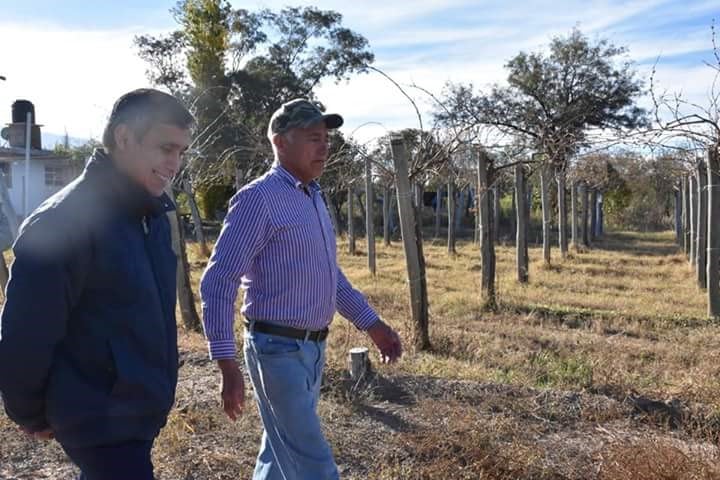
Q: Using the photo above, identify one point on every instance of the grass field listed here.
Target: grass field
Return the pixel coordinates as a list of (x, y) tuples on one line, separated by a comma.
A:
[(603, 366)]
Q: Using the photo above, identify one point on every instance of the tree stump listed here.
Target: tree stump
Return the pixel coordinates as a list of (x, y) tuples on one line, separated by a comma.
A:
[(359, 362)]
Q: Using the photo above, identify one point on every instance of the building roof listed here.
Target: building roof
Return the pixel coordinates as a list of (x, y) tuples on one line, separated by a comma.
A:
[(12, 154)]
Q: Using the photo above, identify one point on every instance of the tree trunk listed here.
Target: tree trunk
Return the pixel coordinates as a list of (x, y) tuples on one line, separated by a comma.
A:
[(702, 226), (197, 220), (451, 218), (521, 226), (487, 246), (574, 215), (351, 221), (545, 201), (562, 214), (686, 215), (713, 239), (369, 216), (386, 215), (438, 209), (412, 243), (185, 296)]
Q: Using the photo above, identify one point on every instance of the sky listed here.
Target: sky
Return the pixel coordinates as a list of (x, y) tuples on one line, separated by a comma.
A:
[(73, 58)]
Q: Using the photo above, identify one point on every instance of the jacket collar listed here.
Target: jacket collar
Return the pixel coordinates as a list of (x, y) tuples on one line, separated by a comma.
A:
[(122, 190)]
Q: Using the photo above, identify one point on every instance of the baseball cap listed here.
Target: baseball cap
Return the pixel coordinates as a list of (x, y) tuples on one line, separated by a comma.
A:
[(301, 113)]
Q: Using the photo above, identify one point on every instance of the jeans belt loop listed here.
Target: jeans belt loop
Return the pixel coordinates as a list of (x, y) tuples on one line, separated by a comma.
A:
[(251, 327), (307, 336)]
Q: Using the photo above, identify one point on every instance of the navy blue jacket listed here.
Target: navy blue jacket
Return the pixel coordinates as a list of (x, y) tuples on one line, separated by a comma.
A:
[(88, 340)]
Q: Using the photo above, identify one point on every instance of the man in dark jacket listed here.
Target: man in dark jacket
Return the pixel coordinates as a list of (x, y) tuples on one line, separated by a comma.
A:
[(88, 343)]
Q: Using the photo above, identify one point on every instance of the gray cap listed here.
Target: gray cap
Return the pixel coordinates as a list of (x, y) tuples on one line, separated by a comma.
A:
[(301, 113)]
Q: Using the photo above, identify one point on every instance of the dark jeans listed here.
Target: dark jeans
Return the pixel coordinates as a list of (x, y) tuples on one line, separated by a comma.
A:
[(124, 461)]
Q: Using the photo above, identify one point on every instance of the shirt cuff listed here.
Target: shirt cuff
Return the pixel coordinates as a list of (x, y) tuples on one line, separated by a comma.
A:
[(221, 349), (366, 319)]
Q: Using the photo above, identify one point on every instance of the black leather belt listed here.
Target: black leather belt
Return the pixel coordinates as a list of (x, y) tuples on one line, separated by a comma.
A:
[(283, 331)]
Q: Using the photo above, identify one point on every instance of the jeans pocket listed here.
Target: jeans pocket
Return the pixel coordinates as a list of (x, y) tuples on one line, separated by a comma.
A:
[(276, 346)]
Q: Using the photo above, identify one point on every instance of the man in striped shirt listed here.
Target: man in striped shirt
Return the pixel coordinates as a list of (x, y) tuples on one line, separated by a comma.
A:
[(278, 244)]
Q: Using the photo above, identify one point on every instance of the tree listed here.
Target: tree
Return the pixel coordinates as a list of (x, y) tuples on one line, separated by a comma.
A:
[(235, 67), (554, 102)]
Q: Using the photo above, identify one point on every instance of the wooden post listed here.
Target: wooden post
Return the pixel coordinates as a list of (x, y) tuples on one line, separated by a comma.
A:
[(419, 200), (585, 194), (358, 362), (686, 215), (387, 193), (713, 239), (186, 299), (350, 221), (521, 228), (451, 217), (702, 226), (546, 218), (197, 220), (487, 247), (413, 246), (593, 214), (562, 213), (678, 214), (496, 212), (693, 218), (369, 216), (438, 209), (333, 213), (574, 215)]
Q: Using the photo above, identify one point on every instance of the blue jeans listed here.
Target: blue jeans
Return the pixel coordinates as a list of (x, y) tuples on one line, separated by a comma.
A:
[(286, 376), (129, 460)]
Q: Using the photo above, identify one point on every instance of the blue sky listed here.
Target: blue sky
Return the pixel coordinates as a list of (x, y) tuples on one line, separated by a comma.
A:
[(72, 58)]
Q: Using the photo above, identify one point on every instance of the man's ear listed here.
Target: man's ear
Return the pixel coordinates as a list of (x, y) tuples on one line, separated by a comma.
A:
[(279, 142), (122, 135)]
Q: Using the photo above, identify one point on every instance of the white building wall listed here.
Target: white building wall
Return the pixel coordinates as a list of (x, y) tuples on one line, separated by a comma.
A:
[(38, 190)]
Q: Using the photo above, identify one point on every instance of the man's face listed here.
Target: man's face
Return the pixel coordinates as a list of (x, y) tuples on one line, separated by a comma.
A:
[(152, 161), (304, 151)]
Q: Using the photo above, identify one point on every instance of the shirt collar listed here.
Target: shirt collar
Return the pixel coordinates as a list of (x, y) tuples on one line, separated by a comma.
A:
[(285, 174)]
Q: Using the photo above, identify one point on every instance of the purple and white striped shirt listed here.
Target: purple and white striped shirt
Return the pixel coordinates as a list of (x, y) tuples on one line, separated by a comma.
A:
[(277, 243)]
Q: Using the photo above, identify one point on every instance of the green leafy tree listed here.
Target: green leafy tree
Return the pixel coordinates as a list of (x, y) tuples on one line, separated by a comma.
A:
[(553, 101), (235, 67)]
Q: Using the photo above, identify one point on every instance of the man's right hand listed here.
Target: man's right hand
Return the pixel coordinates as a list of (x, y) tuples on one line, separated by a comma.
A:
[(233, 388)]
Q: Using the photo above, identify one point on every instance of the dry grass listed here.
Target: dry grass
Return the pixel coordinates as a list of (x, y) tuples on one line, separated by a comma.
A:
[(602, 367)]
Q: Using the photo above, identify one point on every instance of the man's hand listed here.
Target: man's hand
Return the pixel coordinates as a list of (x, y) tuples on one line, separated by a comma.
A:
[(46, 434), (387, 340), (233, 388)]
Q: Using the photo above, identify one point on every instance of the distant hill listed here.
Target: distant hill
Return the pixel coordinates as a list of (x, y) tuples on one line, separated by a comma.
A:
[(49, 140)]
